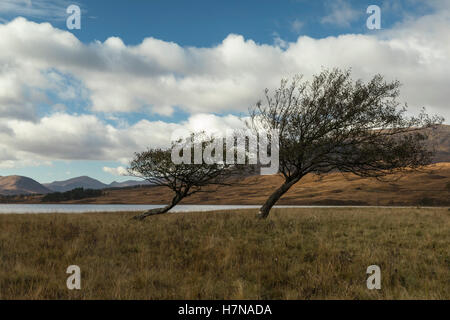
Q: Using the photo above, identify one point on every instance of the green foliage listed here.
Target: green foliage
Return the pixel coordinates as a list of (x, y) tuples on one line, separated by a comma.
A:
[(75, 194), (333, 123)]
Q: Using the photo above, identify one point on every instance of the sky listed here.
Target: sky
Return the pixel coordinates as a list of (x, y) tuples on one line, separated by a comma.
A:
[(81, 101)]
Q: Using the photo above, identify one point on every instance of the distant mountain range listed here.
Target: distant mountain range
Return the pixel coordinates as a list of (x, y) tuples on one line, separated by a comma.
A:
[(89, 183), (14, 185), (78, 182)]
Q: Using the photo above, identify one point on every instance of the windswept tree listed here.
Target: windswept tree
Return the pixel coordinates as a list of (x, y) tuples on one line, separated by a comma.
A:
[(198, 170), (333, 124)]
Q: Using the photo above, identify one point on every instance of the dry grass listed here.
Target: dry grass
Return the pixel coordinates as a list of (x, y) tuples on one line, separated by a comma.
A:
[(295, 254)]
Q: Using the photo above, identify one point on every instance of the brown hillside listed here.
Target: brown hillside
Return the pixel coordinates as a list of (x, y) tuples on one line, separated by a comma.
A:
[(12, 185), (428, 188), (440, 142)]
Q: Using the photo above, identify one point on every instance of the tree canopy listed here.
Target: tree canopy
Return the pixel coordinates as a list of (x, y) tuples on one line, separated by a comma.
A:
[(186, 178), (333, 123)]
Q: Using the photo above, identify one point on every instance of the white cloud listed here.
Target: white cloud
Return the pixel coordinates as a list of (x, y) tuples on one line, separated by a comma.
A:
[(84, 137), (119, 171), (341, 13), (157, 76), (160, 76)]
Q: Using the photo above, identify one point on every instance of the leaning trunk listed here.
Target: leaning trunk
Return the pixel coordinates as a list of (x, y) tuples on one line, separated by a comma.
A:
[(156, 211), (274, 197)]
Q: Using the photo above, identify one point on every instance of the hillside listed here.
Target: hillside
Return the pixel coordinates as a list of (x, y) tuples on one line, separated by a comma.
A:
[(439, 140), (78, 182), (428, 188), (88, 183), (13, 185), (431, 187), (128, 183), (18, 185)]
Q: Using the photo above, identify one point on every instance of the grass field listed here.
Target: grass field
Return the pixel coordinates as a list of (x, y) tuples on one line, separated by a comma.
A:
[(295, 254)]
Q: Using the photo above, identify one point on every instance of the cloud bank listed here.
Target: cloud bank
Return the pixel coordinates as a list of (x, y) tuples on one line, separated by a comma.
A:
[(46, 65)]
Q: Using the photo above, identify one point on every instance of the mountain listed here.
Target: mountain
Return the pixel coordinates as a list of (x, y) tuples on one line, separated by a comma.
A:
[(89, 183), (439, 139), (78, 182), (429, 187), (14, 185), (128, 183)]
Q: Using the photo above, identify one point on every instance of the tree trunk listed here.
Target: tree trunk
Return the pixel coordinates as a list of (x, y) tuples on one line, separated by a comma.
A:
[(274, 197), (156, 211)]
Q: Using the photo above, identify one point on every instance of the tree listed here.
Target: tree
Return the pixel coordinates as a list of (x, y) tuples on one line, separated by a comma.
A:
[(186, 178), (74, 194), (333, 124)]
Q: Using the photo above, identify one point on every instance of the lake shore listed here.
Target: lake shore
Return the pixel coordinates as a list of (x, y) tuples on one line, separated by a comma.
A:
[(105, 208)]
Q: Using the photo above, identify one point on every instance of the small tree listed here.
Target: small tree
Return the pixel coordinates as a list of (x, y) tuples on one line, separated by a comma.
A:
[(335, 124), (184, 179)]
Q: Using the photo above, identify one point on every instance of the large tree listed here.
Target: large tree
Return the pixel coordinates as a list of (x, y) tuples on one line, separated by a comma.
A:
[(333, 123), (158, 167)]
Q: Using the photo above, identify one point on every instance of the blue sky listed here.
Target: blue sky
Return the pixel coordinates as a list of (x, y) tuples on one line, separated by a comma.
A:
[(205, 23), (83, 111)]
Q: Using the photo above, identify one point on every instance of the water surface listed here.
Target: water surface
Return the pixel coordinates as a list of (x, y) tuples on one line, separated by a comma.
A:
[(85, 208)]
